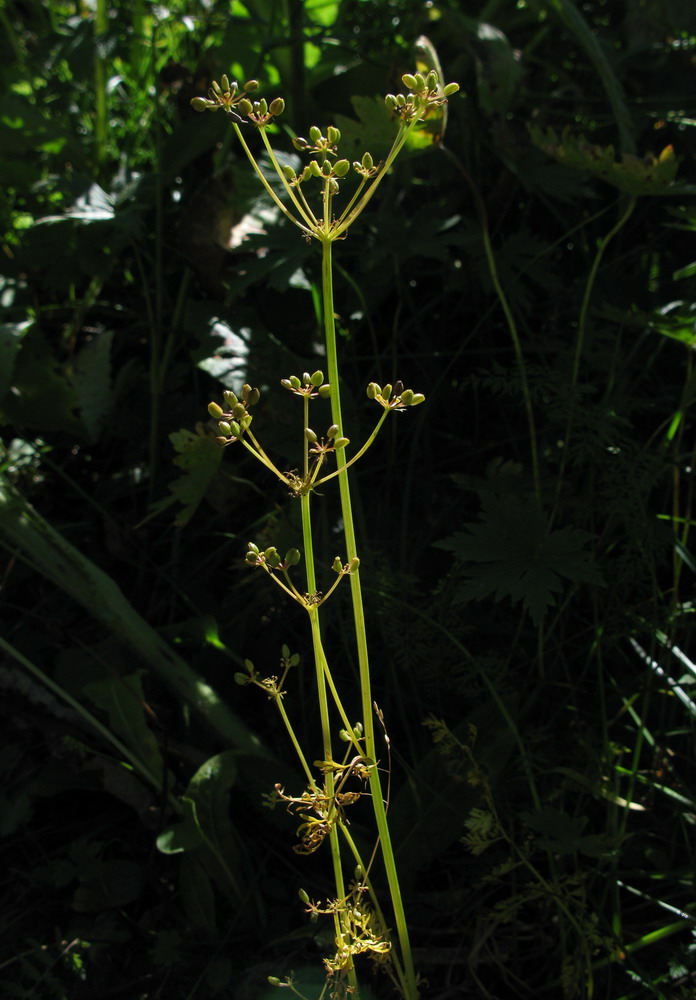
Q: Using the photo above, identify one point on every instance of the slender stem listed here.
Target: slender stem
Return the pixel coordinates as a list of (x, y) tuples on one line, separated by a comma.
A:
[(602, 245), (259, 173), (358, 454), (295, 742), (410, 987), (303, 209)]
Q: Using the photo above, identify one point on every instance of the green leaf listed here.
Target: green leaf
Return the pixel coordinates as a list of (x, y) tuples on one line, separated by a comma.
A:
[(562, 834), (115, 884), (510, 553), (122, 698), (23, 531), (569, 14), (197, 894), (44, 397), (207, 803), (11, 336), (91, 378), (498, 69)]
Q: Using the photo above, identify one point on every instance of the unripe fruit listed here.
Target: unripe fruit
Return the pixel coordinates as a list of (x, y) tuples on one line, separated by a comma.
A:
[(277, 106), (215, 411)]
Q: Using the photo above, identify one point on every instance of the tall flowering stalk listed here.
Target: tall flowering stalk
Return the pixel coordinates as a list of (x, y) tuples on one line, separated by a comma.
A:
[(338, 780)]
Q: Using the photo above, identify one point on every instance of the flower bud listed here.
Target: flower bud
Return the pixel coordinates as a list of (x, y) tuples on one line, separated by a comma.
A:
[(225, 83), (341, 442), (200, 104), (215, 87), (305, 378), (450, 89), (316, 378), (353, 565), (337, 565), (315, 134), (245, 106), (341, 168), (277, 106), (215, 411), (251, 85), (304, 898), (272, 557), (310, 435), (333, 135), (273, 981), (410, 81), (373, 391)]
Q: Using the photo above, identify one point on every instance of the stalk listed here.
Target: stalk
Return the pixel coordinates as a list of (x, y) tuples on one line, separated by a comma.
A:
[(410, 987), (321, 669)]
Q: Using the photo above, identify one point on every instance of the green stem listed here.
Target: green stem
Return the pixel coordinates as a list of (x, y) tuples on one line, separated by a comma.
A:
[(409, 978), (321, 671)]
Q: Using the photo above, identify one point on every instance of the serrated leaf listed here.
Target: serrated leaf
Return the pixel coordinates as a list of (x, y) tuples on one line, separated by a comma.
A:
[(511, 553), (199, 456)]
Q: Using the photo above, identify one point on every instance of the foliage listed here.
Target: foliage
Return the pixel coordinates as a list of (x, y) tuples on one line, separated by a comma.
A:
[(528, 558)]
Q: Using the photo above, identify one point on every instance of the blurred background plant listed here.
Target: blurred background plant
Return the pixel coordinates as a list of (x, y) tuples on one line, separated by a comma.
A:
[(529, 549)]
